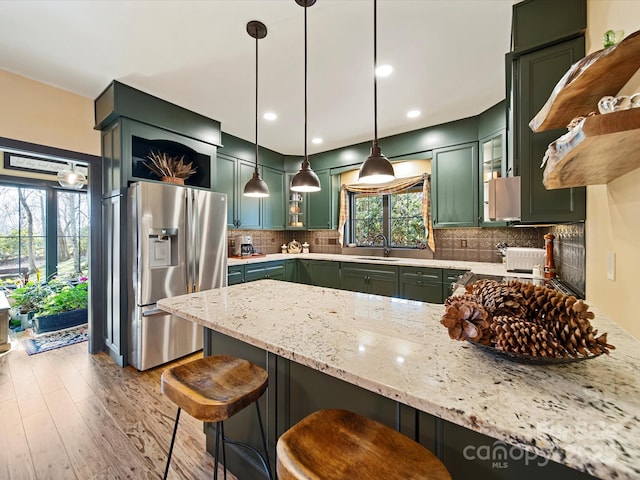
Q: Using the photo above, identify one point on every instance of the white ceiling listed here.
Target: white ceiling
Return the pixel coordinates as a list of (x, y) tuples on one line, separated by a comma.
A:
[(448, 59)]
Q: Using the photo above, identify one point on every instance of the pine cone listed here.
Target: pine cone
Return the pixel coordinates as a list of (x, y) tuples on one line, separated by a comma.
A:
[(525, 338), (467, 320), (498, 298), (563, 316)]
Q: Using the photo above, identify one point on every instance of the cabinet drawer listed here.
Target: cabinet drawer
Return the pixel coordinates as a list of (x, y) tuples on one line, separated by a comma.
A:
[(272, 270), (235, 274), (370, 269), (431, 275)]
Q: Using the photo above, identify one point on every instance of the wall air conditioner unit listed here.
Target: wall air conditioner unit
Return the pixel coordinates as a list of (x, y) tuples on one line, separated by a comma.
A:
[(504, 199)]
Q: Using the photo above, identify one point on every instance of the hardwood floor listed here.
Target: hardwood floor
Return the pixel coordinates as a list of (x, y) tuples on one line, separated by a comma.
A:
[(66, 414)]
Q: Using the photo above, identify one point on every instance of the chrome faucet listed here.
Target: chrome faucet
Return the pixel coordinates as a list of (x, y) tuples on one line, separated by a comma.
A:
[(385, 244)]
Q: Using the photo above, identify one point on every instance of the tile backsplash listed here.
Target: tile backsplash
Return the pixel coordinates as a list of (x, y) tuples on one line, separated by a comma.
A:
[(479, 244), (569, 254), (465, 244)]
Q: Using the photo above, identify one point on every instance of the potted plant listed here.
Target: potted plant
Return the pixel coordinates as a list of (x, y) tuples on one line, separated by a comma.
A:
[(26, 299), (64, 307)]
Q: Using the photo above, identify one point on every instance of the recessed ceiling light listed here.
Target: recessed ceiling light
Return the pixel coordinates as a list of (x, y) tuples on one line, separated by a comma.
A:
[(413, 113), (316, 140), (384, 70), (270, 116)]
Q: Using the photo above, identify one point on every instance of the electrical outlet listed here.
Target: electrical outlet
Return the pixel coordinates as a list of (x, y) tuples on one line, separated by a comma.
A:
[(463, 244), (611, 265)]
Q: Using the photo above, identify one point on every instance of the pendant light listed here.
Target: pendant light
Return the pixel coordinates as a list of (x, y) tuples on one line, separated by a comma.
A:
[(306, 179), (256, 187), (376, 168), (71, 178)]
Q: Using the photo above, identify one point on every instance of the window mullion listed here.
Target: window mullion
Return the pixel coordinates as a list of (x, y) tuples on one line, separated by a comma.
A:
[(51, 233), (386, 217)]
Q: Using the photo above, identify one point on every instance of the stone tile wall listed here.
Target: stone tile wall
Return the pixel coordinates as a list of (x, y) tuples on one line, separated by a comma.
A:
[(479, 244), (569, 254)]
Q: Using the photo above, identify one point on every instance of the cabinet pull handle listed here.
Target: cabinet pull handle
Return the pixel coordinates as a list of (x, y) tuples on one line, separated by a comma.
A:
[(419, 282)]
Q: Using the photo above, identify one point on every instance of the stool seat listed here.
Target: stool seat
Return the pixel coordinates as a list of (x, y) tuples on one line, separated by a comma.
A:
[(213, 389), (341, 445)]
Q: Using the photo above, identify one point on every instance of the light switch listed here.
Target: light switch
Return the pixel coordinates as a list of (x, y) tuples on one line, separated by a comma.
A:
[(611, 265)]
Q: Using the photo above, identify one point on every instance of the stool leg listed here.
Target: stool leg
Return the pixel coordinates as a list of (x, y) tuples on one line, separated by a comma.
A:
[(264, 443), (173, 439), (217, 451), (224, 450)]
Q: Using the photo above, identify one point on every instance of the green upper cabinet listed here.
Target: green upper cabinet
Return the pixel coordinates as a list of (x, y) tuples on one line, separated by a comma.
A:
[(249, 208), (534, 76), (454, 184), (226, 183), (561, 19), (273, 206), (323, 205), (232, 175), (296, 205)]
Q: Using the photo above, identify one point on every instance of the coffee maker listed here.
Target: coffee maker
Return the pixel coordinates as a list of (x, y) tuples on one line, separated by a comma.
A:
[(242, 246)]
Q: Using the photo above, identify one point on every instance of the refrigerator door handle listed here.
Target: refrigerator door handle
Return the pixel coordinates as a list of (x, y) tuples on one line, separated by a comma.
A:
[(189, 239), (196, 241), (155, 311)]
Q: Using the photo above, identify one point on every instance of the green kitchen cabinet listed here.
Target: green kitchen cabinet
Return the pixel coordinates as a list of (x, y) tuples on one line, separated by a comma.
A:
[(322, 273), (369, 278), (538, 72), (274, 270), (561, 20), (235, 274), (232, 174), (296, 205), (450, 276), (454, 186), (322, 206), (419, 283), (291, 270), (273, 206), (492, 164)]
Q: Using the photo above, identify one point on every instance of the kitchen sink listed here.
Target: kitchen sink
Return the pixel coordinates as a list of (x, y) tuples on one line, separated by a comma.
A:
[(384, 259)]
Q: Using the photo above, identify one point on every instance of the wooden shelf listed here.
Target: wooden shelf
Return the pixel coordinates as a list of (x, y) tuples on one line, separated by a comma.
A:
[(577, 93), (605, 148)]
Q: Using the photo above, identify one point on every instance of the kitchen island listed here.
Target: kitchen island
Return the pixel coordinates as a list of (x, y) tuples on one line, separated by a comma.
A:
[(584, 415)]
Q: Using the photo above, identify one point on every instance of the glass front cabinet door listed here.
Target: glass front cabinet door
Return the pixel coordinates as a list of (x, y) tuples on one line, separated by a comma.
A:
[(492, 165)]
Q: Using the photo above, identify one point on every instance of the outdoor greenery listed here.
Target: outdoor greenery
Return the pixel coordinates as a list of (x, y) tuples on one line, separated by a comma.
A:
[(23, 232), (398, 217)]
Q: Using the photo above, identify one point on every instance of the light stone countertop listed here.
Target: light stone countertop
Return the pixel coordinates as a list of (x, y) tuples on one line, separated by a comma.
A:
[(585, 415)]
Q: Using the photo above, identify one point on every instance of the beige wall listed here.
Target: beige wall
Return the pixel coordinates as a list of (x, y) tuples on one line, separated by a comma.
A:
[(37, 113), (613, 210)]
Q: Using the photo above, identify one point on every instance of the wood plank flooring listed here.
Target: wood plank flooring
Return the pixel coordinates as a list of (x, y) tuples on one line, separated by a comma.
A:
[(66, 414)]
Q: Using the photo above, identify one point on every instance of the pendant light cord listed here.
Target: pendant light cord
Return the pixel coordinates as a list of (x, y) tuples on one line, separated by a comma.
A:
[(375, 76), (256, 169), (305, 83)]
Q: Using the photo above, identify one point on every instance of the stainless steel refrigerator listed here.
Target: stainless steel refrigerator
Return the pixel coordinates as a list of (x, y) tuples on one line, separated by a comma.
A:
[(178, 245)]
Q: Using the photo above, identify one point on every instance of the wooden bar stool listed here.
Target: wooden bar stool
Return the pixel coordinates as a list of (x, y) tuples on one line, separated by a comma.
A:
[(341, 445), (213, 389)]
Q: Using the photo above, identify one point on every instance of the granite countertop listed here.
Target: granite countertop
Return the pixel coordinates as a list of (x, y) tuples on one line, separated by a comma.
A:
[(585, 415)]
